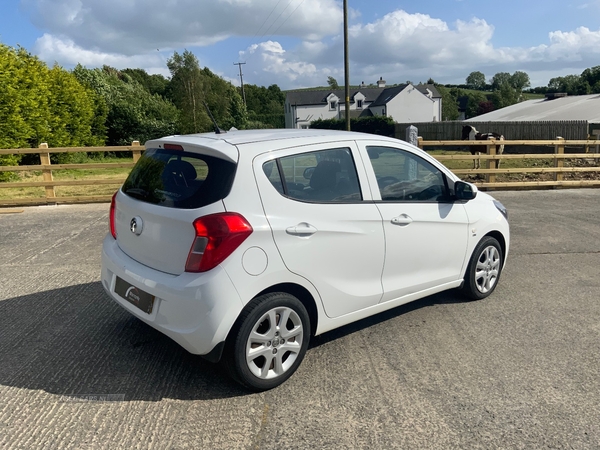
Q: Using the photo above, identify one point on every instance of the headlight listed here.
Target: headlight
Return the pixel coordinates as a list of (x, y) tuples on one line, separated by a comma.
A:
[(501, 208)]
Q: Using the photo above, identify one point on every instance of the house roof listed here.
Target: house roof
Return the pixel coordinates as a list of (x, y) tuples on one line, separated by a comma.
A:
[(424, 87), (576, 107), (389, 93), (316, 97)]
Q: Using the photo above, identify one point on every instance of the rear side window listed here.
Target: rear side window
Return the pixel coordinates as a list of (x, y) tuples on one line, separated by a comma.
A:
[(325, 176), (179, 179)]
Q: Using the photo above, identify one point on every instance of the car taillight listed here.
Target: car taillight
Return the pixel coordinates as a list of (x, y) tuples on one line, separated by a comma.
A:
[(113, 208), (217, 236)]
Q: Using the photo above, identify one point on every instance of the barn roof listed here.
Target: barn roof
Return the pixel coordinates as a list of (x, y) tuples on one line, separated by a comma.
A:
[(576, 107)]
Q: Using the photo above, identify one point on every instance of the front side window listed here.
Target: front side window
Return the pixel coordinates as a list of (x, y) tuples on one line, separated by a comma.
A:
[(403, 176), (323, 176), (179, 179), (359, 104), (332, 105)]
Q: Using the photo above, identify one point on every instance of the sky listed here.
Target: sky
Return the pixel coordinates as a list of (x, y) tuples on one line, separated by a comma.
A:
[(299, 43)]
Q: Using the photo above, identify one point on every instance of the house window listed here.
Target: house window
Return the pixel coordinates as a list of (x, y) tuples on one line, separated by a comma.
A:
[(332, 105), (359, 104)]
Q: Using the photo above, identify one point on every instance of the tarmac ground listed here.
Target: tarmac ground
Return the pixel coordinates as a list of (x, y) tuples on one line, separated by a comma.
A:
[(518, 370)]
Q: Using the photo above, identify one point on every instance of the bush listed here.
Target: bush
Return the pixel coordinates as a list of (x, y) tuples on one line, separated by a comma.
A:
[(383, 126), (9, 160)]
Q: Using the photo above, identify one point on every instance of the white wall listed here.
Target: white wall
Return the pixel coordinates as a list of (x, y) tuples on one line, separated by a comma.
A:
[(410, 105)]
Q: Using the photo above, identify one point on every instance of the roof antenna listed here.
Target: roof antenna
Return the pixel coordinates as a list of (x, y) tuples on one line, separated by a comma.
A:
[(216, 126)]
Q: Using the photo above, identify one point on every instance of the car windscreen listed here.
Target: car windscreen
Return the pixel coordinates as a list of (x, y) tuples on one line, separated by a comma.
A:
[(179, 179)]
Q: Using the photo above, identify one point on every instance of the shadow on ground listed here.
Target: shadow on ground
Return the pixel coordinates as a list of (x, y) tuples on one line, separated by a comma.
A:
[(76, 341)]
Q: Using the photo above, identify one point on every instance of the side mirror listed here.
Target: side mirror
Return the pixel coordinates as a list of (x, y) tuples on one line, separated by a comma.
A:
[(465, 191)]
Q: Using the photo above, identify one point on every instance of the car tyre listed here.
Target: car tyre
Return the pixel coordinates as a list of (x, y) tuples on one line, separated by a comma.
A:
[(268, 342), (484, 269)]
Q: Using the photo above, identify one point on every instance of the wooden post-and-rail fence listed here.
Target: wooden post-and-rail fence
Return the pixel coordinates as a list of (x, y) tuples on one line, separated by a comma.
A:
[(49, 183), (492, 157), (558, 169)]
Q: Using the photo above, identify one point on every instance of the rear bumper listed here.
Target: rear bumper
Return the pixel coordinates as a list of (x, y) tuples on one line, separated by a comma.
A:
[(195, 310)]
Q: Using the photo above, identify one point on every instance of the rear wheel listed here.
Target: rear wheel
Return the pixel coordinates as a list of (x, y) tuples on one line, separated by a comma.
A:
[(484, 269), (269, 341)]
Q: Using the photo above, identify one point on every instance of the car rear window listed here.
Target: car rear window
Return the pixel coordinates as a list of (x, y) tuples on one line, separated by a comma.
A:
[(179, 179)]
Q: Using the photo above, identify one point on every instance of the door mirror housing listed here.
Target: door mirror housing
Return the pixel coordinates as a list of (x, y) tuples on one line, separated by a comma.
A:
[(465, 191)]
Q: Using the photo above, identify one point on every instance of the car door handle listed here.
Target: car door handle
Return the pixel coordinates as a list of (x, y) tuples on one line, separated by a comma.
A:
[(402, 219), (302, 229)]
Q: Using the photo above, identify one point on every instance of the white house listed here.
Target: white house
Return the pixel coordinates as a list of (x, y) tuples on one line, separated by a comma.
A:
[(403, 103)]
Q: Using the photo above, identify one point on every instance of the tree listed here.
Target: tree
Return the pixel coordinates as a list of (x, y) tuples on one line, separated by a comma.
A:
[(332, 82), (188, 91), (571, 84), (567, 84), (520, 80), (224, 100), (500, 79), (38, 104), (474, 102), (449, 102), (506, 95), (132, 112), (591, 76), (265, 106), (193, 87), (476, 80), (155, 84)]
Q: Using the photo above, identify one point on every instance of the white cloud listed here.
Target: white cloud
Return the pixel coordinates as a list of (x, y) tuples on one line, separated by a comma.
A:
[(128, 27), (397, 46), (67, 53), (271, 62)]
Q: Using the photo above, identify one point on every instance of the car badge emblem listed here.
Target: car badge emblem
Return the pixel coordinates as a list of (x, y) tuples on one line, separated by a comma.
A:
[(136, 225)]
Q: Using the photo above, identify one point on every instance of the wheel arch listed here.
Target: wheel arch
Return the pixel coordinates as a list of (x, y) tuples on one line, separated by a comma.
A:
[(302, 294), (500, 238)]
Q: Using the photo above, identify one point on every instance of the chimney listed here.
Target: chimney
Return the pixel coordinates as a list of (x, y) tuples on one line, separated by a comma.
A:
[(381, 82), (362, 84)]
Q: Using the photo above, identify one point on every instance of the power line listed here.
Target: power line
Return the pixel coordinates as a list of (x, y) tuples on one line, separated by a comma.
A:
[(291, 14), (250, 55), (268, 17)]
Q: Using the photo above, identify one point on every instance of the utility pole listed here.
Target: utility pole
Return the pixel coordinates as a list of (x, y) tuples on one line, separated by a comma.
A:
[(346, 65), (241, 80)]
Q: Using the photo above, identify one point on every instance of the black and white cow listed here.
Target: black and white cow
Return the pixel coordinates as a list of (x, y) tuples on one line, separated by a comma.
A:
[(469, 133)]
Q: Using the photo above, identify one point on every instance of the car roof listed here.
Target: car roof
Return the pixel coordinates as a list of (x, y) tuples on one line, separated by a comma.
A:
[(225, 144)]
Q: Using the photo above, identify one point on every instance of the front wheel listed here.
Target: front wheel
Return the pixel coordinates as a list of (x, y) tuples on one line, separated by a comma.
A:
[(484, 269), (269, 341)]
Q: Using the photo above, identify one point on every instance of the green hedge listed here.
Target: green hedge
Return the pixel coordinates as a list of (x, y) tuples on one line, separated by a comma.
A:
[(384, 126)]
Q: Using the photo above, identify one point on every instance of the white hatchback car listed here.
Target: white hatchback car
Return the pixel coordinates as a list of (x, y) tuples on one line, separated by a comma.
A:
[(240, 246)]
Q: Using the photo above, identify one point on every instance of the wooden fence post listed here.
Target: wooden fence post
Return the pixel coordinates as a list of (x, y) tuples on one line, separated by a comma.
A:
[(559, 150), (420, 142), (491, 163), (137, 154), (47, 173)]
